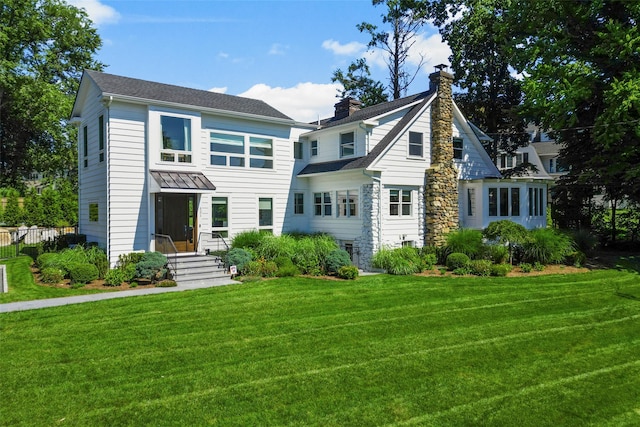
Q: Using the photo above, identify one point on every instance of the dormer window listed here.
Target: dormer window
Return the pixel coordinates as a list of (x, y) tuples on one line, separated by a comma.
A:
[(347, 144), (176, 139)]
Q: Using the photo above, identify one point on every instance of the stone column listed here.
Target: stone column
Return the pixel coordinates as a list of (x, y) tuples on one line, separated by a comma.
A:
[(441, 179)]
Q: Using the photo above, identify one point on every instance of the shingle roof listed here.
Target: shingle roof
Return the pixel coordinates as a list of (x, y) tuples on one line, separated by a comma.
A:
[(375, 110), (152, 91), (548, 148)]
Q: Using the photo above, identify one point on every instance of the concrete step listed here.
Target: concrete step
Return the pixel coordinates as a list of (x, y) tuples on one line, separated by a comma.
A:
[(198, 268)]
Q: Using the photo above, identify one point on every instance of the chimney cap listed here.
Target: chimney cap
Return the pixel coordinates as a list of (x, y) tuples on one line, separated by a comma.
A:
[(441, 67)]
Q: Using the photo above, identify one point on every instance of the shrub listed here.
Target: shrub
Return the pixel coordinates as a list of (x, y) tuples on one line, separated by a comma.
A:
[(166, 283), (283, 261), (152, 266), (287, 271), (399, 261), (467, 241), (128, 272), (248, 239), (348, 272), (98, 257), (323, 244), (270, 246), (82, 273), (114, 277), (461, 271), (306, 258), (500, 270), (507, 232), (442, 252), (238, 257), (538, 266), (428, 261), (546, 246), (337, 259), (525, 267), (584, 241), (46, 259), (457, 260), (73, 255), (575, 258), (131, 258), (52, 275), (498, 254), (480, 267)]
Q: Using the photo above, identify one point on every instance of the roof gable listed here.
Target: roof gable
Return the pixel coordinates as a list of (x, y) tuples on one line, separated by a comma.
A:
[(112, 85)]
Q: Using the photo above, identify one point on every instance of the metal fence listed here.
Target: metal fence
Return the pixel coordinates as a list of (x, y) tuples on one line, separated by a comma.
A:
[(15, 241)]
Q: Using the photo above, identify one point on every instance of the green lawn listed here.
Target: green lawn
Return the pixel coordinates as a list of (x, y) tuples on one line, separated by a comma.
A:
[(383, 350)]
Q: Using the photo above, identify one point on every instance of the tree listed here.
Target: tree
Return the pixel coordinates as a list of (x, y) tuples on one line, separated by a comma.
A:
[(405, 23), (44, 47), (480, 39), (32, 207), (581, 62), (358, 84), (13, 214), (506, 232)]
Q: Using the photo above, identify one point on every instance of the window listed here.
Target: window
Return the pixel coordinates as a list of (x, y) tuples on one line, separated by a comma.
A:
[(503, 161), (400, 202), (322, 204), (347, 144), (348, 203), (536, 202), (85, 146), (261, 153), (93, 212), (297, 150), (415, 144), (471, 201), (314, 148), (504, 201), (515, 201), (224, 146), (298, 203), (101, 138), (176, 139), (551, 168), (458, 146), (265, 213), (220, 215), (509, 161)]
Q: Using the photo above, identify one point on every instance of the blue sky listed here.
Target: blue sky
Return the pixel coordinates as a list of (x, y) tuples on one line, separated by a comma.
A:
[(281, 51)]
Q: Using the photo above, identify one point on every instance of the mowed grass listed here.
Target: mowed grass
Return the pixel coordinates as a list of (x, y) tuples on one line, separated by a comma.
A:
[(383, 350)]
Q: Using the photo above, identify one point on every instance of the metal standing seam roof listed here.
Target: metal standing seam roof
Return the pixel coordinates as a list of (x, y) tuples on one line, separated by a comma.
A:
[(182, 180), (111, 84)]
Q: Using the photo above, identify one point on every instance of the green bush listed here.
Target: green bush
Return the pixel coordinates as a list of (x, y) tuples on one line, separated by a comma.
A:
[(52, 275), (498, 254), (399, 261), (98, 257), (461, 271), (480, 267), (152, 266), (238, 257), (575, 258), (337, 259), (538, 266), (248, 239), (128, 272), (547, 246), (261, 268), (348, 272), (287, 271), (131, 258), (525, 267), (166, 283), (428, 261), (467, 241), (114, 277), (306, 258), (500, 270), (323, 245), (270, 246), (82, 273), (283, 261), (46, 259), (457, 260), (442, 252), (585, 241)]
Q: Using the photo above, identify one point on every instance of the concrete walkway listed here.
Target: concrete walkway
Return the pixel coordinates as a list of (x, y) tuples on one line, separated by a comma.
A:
[(55, 302)]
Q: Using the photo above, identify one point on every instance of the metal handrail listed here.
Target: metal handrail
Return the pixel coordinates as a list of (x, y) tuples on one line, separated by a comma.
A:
[(214, 235), (174, 264)]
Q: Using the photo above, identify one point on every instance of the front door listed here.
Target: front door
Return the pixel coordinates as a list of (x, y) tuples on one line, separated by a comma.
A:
[(176, 217)]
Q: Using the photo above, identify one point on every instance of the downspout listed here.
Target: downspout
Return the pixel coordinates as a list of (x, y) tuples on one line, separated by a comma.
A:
[(107, 143), (375, 178)]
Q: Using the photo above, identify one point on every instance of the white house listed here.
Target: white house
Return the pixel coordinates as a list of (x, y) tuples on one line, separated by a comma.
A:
[(159, 161)]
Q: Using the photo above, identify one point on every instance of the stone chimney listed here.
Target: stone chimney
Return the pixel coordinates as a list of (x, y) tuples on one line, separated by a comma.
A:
[(346, 107), (441, 179)]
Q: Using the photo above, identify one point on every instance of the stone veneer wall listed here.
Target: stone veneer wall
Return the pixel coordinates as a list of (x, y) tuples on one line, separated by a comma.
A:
[(441, 179), (367, 243)]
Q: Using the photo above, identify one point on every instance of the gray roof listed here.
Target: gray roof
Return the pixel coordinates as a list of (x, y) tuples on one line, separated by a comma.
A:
[(364, 162), (375, 110), (548, 148), (125, 86), (182, 180)]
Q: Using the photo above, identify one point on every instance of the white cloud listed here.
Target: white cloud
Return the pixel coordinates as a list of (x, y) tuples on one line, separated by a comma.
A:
[(305, 102), (277, 49), (99, 13), (219, 89), (349, 49)]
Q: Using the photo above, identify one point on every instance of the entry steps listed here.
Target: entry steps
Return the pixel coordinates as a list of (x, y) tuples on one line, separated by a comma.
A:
[(194, 268)]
